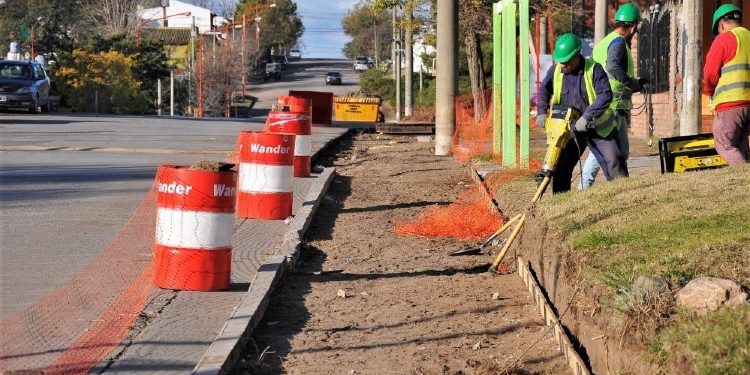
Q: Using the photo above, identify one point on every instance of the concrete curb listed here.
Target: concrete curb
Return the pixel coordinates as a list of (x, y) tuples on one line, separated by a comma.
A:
[(228, 345)]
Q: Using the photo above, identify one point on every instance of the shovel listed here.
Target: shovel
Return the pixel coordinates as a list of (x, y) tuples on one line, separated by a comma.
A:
[(475, 250)]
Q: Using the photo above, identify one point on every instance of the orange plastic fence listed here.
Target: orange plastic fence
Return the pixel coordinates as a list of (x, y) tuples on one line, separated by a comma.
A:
[(469, 218), (473, 134), (74, 327)]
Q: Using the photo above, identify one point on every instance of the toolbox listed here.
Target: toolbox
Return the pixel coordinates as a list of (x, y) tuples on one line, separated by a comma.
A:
[(689, 153)]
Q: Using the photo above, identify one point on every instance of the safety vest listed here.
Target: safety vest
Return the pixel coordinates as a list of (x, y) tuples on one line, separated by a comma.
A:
[(618, 88), (606, 121), (734, 79)]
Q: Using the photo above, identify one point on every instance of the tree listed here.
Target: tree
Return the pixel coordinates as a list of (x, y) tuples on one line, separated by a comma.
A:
[(366, 25), (475, 19), (56, 25), (110, 17), (280, 26)]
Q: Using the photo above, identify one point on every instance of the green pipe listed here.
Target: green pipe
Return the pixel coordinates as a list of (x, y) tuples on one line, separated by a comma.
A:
[(525, 80), (509, 83)]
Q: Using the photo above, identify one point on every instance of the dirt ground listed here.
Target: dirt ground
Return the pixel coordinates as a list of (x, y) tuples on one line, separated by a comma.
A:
[(363, 300)]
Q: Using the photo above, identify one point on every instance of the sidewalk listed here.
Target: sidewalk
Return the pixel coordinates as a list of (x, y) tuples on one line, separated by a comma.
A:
[(182, 325)]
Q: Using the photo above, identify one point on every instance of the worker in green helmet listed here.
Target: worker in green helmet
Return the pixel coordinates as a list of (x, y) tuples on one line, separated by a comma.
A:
[(581, 83), (726, 78), (613, 53)]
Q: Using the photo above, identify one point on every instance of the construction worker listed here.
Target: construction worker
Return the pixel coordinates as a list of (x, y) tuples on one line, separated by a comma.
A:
[(613, 53), (581, 83), (726, 78)]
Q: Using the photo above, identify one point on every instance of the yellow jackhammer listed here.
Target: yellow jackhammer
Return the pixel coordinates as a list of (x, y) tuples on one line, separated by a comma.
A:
[(559, 132)]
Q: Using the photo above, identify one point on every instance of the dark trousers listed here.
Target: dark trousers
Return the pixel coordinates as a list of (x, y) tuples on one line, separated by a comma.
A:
[(605, 149)]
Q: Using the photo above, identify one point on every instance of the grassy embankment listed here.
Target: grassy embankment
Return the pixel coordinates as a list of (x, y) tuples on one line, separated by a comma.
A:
[(677, 227)]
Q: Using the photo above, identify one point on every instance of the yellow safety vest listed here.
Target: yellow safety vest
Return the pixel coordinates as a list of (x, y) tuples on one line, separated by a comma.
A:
[(734, 79), (606, 121)]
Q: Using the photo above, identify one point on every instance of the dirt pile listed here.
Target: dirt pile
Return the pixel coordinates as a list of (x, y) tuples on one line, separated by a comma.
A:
[(364, 300)]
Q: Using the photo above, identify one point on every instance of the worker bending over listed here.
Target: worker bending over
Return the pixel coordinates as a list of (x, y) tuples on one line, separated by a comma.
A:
[(726, 78), (613, 54), (580, 83)]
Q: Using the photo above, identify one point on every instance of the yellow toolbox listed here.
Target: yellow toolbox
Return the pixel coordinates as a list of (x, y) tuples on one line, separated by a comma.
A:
[(355, 108), (689, 153)]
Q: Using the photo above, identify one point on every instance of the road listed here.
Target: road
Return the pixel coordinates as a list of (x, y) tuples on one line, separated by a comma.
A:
[(70, 182)]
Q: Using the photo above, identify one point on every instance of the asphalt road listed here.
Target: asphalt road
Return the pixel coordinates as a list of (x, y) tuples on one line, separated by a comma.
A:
[(69, 183)]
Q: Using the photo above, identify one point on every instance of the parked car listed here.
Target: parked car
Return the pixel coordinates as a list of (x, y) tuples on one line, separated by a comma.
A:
[(273, 70), (361, 64), (24, 85), (295, 54), (281, 59), (333, 78)]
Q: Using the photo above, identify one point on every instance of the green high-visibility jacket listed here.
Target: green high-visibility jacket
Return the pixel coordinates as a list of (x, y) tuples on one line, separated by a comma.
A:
[(619, 89), (606, 121)]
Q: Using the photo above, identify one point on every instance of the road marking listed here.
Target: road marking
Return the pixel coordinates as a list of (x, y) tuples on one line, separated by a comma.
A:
[(112, 149)]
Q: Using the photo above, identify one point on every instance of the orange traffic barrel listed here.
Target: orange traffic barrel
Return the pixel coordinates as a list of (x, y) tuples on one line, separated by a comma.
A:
[(194, 225), (266, 173), (300, 125), (294, 104)]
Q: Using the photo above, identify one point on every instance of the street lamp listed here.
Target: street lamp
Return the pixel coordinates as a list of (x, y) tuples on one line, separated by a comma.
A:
[(257, 23), (33, 27)]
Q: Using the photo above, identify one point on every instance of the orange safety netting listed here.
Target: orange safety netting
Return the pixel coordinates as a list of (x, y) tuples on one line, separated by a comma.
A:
[(469, 218), (74, 327), (473, 134)]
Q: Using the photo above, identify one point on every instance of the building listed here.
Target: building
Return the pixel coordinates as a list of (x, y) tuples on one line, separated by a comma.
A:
[(202, 18)]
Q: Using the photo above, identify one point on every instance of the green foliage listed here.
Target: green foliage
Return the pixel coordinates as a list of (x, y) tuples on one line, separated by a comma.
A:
[(150, 60), (718, 343), (375, 82), (286, 28), (54, 33), (362, 23)]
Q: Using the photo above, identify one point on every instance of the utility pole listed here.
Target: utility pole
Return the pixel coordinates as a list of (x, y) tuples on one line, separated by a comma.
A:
[(447, 75), (690, 118), (377, 52), (409, 50), (399, 49), (393, 43), (600, 20)]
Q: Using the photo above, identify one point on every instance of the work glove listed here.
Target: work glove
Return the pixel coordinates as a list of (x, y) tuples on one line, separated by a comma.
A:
[(540, 121), (582, 125)]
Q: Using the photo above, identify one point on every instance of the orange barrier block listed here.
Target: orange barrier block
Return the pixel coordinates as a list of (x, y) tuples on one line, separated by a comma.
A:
[(265, 180), (194, 224), (322, 105)]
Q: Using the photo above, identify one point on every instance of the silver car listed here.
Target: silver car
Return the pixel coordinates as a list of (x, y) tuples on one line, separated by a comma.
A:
[(24, 85)]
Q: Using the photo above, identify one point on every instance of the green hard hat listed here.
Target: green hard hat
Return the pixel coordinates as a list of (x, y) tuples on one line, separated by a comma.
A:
[(628, 13), (721, 12), (566, 47)]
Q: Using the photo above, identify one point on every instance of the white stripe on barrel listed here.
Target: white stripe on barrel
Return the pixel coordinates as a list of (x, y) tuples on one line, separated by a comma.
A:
[(266, 175), (194, 225)]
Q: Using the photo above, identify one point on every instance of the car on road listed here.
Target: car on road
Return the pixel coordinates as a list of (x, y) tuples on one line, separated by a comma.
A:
[(361, 64), (273, 70), (24, 85), (295, 54), (333, 78), (281, 59)]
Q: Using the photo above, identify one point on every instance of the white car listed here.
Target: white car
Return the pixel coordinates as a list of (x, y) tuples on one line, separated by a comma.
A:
[(295, 54)]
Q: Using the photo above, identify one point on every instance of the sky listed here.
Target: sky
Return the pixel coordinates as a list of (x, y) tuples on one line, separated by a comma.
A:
[(323, 37)]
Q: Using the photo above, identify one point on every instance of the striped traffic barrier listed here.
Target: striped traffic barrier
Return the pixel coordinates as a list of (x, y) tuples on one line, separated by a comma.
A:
[(294, 104), (300, 125), (194, 224), (266, 172)]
